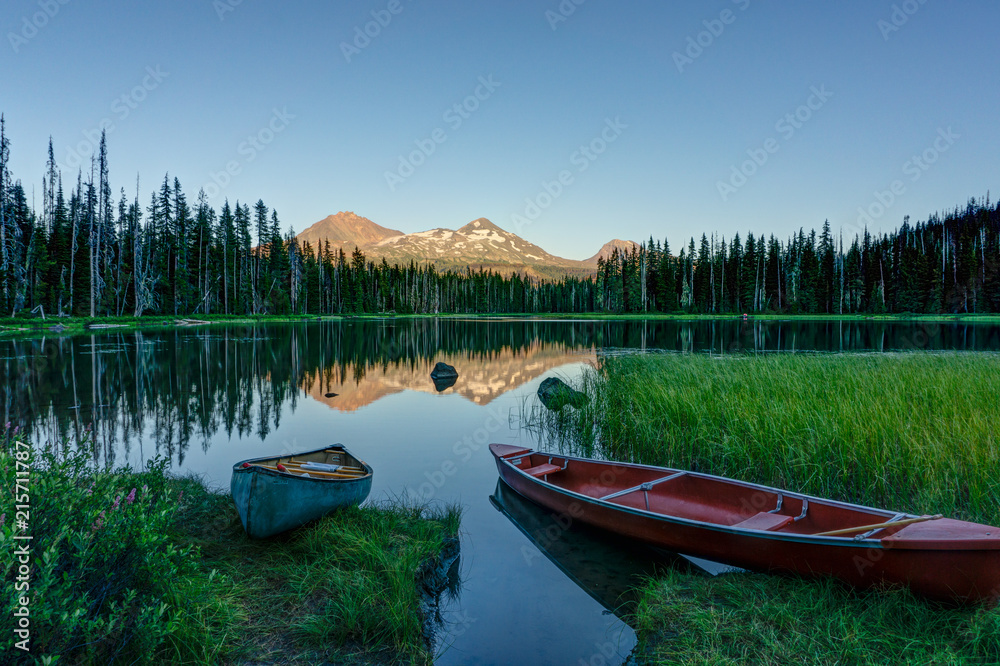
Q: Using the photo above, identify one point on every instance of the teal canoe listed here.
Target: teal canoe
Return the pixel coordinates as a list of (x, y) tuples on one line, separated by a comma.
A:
[(279, 493)]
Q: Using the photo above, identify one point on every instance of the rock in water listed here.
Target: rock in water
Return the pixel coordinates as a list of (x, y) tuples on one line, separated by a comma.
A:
[(443, 370), (556, 394), (444, 376)]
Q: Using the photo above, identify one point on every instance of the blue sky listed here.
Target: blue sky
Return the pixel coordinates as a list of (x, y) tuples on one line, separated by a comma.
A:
[(666, 99)]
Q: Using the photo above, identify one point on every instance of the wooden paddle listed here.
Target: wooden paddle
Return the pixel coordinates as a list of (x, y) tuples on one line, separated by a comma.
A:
[(866, 528), (300, 472), (343, 468)]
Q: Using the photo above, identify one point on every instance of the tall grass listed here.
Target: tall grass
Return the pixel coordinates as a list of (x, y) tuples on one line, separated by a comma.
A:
[(769, 620), (912, 432)]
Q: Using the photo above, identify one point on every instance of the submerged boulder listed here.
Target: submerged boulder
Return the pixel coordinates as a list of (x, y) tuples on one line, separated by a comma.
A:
[(556, 394), (442, 383)]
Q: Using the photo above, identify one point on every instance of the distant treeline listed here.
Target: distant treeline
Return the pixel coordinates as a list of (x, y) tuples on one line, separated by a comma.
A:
[(947, 264), (93, 254)]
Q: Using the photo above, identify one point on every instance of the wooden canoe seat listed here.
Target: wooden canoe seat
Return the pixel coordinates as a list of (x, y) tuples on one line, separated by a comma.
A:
[(765, 522), (542, 470)]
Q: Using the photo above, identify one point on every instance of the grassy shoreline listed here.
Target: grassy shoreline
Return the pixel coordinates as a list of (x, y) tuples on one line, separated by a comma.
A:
[(909, 432), (33, 326), (139, 567)]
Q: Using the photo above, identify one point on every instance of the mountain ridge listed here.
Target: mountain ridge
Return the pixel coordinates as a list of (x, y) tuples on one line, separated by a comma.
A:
[(346, 227), (477, 244)]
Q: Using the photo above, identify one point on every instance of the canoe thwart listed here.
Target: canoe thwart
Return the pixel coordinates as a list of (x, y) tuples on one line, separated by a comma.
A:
[(645, 487)]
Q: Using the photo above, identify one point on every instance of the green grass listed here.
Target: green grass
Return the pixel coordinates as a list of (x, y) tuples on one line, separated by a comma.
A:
[(137, 567), (350, 581), (770, 620), (908, 432)]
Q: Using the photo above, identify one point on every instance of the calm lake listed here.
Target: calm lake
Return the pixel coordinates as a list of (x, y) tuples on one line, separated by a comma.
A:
[(529, 591)]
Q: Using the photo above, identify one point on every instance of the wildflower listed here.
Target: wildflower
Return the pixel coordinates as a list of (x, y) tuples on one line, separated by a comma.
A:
[(97, 523), (118, 500), (145, 489), (131, 496), (3, 518), (181, 496)]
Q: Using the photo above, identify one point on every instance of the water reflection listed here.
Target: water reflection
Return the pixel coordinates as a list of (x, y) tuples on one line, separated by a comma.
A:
[(607, 567), (168, 389)]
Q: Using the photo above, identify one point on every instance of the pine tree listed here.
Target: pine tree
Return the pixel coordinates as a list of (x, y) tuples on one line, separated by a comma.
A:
[(827, 276), (181, 251), (5, 221)]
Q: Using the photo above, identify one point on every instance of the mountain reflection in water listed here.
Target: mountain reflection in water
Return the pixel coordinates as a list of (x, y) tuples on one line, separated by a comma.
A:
[(164, 389)]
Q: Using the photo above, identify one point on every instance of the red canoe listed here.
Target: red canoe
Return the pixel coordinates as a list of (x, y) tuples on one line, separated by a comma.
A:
[(761, 528)]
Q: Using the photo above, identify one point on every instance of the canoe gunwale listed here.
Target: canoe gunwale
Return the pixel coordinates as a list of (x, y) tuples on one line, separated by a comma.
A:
[(827, 541)]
